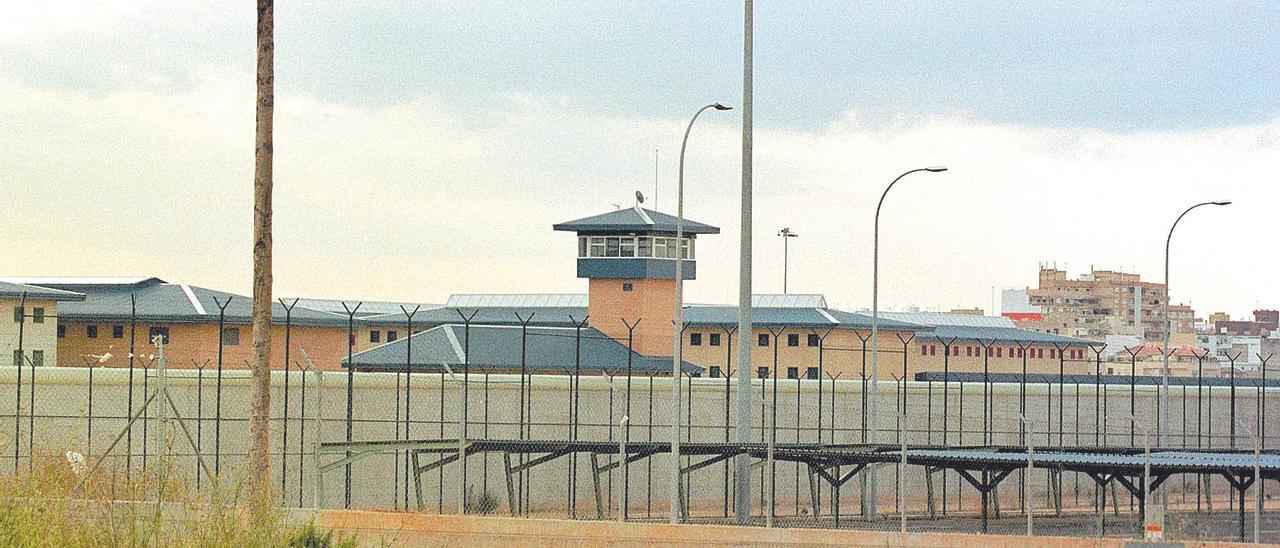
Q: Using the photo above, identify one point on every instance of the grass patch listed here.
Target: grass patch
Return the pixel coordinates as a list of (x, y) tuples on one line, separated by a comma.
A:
[(42, 508)]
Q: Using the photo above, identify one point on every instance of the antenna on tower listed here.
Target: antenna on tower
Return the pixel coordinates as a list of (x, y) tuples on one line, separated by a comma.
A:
[(639, 198)]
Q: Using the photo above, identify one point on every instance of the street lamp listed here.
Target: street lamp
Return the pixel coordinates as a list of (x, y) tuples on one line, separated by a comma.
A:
[(875, 318), (786, 234), (1168, 326), (677, 354)]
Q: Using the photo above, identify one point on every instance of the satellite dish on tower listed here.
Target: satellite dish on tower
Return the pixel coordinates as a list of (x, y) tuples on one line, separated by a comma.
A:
[(639, 197)]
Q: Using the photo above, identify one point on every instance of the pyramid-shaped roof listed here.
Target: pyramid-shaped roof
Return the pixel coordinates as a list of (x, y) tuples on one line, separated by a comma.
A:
[(633, 219)]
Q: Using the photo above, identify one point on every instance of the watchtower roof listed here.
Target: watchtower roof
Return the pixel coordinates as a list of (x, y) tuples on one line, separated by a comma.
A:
[(633, 220)]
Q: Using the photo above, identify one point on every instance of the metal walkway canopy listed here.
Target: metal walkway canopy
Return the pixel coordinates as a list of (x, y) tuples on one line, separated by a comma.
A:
[(983, 467)]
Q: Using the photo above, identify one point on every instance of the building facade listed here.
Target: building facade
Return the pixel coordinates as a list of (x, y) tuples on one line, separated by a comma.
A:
[(29, 323), (1100, 303)]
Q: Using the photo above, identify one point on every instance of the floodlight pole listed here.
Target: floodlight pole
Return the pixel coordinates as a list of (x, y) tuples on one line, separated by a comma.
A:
[(678, 344), (786, 235)]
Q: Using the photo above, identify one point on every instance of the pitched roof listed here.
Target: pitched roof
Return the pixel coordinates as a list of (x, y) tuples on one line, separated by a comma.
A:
[(158, 301), (502, 348), (633, 219), (516, 300), (9, 290), (367, 308), (944, 318), (1001, 335), (545, 316), (727, 316)]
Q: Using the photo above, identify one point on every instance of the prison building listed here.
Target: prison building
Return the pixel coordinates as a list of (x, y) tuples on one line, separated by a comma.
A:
[(122, 316), (628, 259), (29, 322)]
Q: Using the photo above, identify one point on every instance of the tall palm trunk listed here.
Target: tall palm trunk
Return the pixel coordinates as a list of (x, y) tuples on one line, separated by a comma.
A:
[(259, 471)]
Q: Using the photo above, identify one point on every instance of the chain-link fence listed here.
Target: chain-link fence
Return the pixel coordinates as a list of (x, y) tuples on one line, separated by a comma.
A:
[(597, 447)]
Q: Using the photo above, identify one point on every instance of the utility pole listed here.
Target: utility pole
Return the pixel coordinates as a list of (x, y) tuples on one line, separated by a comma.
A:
[(742, 491)]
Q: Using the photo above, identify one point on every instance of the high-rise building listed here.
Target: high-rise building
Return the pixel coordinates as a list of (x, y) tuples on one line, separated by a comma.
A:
[(1100, 303)]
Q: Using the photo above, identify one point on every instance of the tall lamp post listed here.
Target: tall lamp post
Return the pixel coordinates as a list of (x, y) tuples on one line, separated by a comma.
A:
[(1168, 328), (1168, 325), (875, 320), (786, 235), (677, 354)]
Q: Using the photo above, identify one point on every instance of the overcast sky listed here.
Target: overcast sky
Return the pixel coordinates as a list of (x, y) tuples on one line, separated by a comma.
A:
[(426, 148)]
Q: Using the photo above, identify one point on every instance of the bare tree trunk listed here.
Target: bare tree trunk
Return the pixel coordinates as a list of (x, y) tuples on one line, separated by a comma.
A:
[(259, 471)]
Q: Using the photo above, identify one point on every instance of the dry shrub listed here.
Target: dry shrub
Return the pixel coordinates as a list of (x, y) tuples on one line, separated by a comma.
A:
[(43, 508)]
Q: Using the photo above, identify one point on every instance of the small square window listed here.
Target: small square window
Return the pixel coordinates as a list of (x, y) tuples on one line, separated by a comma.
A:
[(18, 315), (762, 339), (793, 339), (62, 331), (695, 339), (715, 339), (231, 336), (813, 339), (37, 315), (37, 358), (91, 331), (162, 332), (392, 336), (811, 373), (715, 371), (627, 286), (762, 372), (793, 372), (375, 336), (17, 358), (117, 331)]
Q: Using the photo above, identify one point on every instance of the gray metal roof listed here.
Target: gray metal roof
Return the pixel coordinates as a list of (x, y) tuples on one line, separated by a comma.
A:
[(944, 318), (1165, 461), (501, 348), (633, 219), (725, 315), (367, 308), (551, 316), (9, 290), (174, 303), (1001, 335), (517, 300), (788, 300)]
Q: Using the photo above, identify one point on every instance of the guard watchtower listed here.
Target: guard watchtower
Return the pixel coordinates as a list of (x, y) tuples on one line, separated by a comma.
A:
[(628, 257)]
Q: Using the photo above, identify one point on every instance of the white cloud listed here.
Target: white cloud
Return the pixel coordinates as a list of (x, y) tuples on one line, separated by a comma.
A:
[(415, 200), (33, 19)]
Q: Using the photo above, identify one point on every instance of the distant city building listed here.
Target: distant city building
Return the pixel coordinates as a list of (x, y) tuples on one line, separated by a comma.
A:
[(1097, 304), (1263, 324)]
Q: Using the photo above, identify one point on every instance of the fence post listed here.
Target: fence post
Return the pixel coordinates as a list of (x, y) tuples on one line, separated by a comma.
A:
[(624, 425), (318, 427), (902, 470)]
